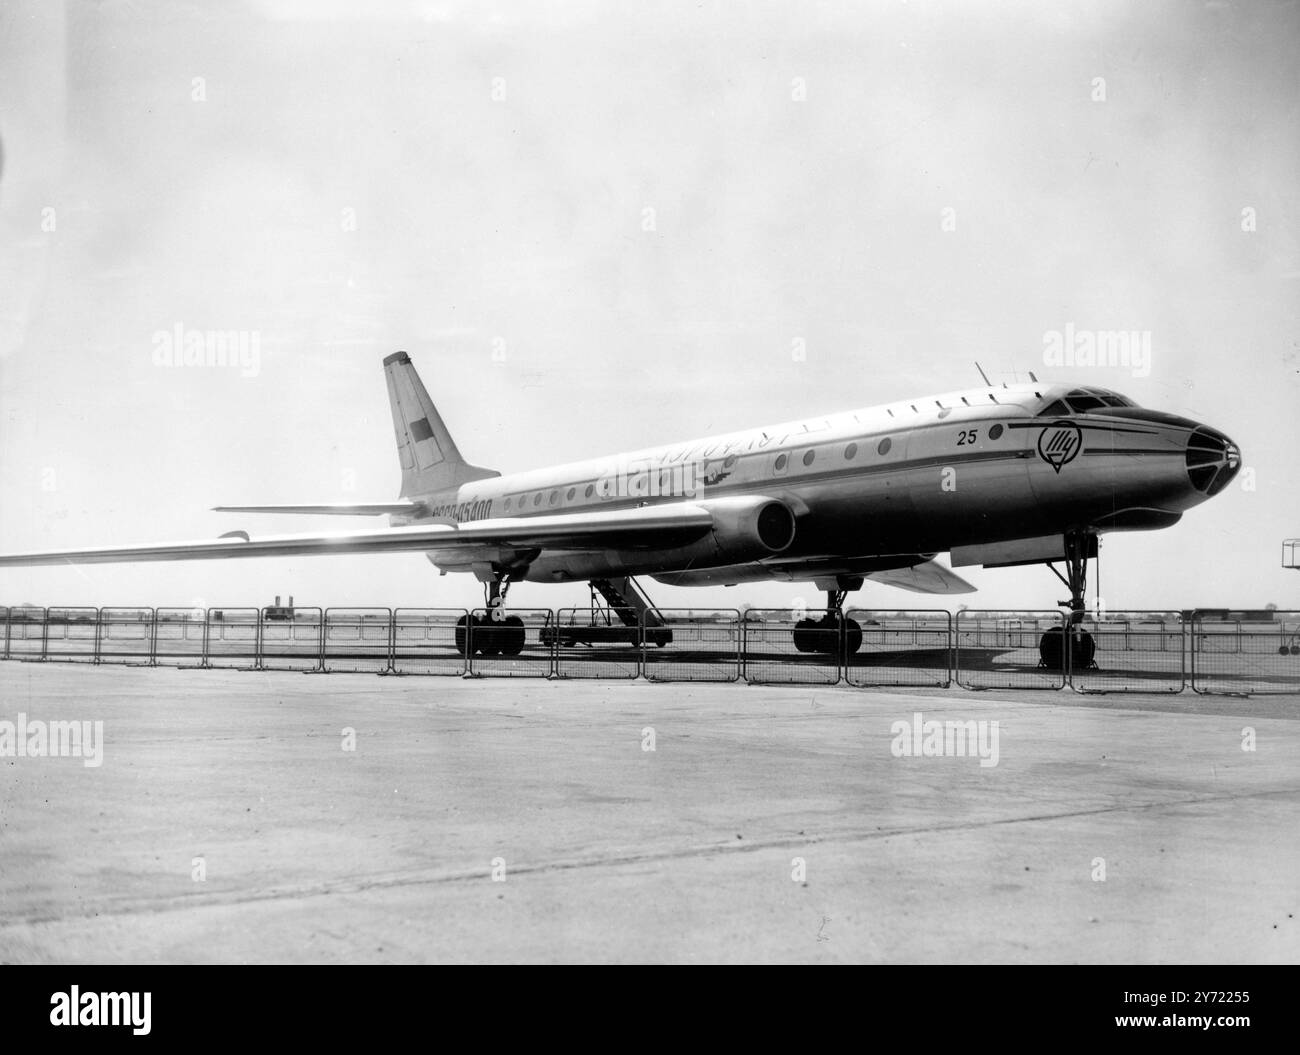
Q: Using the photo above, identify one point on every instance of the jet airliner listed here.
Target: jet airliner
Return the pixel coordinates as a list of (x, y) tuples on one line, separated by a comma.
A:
[(995, 476)]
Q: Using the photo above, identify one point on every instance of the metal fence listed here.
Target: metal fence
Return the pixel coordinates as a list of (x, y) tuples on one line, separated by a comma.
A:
[(1010, 650), (599, 642), (24, 633), (1245, 657), (1118, 652), (72, 634), (231, 637), (428, 641), (126, 636), (180, 637), (290, 643), (509, 644), (784, 646), (900, 648), (1130, 652), (357, 640), (705, 645)]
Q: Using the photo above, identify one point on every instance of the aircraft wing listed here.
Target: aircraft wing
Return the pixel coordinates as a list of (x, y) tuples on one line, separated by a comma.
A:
[(352, 509), (649, 527), (930, 577)]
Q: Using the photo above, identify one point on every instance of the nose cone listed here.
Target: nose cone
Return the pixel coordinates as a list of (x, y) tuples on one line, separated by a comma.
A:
[(1212, 460)]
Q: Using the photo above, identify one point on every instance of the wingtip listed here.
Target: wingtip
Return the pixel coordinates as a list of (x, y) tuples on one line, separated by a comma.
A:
[(396, 357)]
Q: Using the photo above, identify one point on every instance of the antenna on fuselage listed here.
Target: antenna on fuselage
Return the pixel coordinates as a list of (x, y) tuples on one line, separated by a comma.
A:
[(983, 374), (1032, 377)]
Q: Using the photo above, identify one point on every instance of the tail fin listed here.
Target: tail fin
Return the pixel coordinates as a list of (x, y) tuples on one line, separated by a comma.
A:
[(428, 455)]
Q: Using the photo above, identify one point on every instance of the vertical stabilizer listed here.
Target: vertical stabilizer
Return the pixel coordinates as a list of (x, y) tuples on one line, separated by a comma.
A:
[(428, 455)]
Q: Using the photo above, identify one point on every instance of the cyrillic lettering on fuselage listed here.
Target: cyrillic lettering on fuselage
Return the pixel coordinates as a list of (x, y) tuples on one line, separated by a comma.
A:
[(464, 512)]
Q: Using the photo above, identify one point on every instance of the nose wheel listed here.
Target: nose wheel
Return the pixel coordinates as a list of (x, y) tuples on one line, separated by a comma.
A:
[(1053, 644), (1071, 647)]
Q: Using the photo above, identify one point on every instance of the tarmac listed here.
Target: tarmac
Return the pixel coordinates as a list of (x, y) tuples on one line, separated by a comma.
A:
[(234, 818)]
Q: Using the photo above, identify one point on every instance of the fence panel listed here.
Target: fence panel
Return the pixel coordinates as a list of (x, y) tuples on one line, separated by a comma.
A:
[(595, 643), (126, 636), (1010, 650), (425, 641), (178, 637), (358, 640), (71, 634), (785, 646), (25, 633), (901, 648), (1129, 652), (517, 645), (1247, 657), (704, 645), (231, 637), (291, 641)]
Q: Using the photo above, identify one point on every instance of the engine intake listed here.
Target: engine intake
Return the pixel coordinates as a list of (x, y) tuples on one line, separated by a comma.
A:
[(750, 527)]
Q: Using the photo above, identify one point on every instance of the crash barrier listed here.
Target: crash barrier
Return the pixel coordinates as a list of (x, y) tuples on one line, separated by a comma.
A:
[(72, 634), (126, 636), (511, 644), (179, 637), (900, 648), (702, 644), (784, 646), (230, 638), (1115, 652), (1130, 652), (1004, 650), (425, 641), (1245, 656), (290, 643), (24, 633), (598, 642), (357, 640)]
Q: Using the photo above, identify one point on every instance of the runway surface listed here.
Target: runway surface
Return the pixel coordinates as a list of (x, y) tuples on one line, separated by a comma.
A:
[(610, 852)]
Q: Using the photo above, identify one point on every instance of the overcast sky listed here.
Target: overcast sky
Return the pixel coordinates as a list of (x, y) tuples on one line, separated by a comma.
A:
[(645, 206)]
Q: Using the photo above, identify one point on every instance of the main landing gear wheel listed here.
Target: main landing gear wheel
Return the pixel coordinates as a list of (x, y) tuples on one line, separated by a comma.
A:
[(1051, 649), (823, 635), (489, 637)]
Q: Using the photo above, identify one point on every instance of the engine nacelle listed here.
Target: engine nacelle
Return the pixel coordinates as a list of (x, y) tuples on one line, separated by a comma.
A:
[(744, 529), (747, 528)]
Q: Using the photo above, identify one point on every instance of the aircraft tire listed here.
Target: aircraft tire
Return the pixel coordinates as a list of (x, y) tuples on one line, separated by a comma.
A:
[(805, 635), (512, 635), (852, 636), (1051, 649)]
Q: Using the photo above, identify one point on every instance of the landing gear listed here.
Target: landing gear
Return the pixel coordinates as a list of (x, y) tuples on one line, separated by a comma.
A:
[(495, 633), (823, 635), (1071, 647)]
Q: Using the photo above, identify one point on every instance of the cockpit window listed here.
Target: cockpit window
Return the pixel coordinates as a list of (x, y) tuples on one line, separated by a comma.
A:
[(1082, 404), (1083, 400)]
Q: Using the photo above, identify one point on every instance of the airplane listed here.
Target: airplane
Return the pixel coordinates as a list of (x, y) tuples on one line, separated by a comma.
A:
[(998, 476)]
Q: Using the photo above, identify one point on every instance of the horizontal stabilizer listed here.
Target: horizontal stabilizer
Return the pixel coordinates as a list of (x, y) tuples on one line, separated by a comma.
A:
[(930, 577), (349, 509)]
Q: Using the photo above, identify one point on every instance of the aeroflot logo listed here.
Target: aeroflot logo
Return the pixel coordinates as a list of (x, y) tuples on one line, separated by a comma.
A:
[(1060, 443)]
